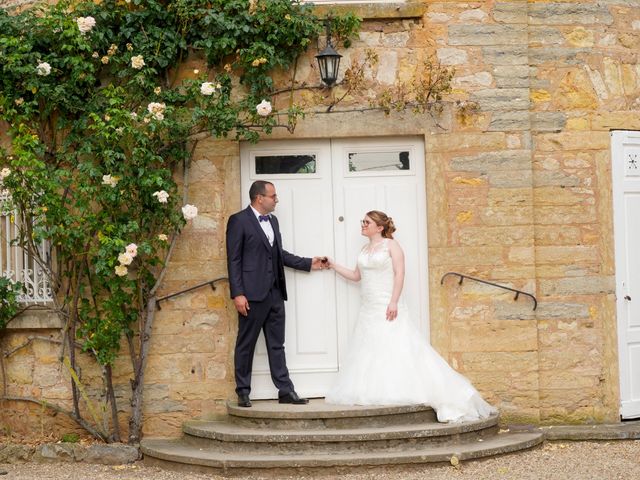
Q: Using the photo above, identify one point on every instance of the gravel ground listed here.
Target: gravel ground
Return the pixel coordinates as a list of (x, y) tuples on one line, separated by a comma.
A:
[(553, 461)]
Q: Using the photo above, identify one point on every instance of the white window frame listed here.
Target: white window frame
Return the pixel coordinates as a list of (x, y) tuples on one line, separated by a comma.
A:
[(17, 264)]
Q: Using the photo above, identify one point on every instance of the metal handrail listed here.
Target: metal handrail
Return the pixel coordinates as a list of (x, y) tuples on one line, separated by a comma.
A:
[(200, 285), (517, 292)]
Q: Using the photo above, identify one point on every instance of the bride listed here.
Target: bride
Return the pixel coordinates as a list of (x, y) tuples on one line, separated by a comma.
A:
[(389, 362)]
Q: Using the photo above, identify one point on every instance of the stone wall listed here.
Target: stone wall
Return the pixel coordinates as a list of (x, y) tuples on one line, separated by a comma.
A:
[(518, 193)]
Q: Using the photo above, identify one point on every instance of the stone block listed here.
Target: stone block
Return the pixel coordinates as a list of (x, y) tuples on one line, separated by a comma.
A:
[(387, 67), (452, 142), (565, 214), (522, 255), (494, 336), (545, 36), (509, 121), (548, 121), (557, 195), (452, 56), (199, 323), (575, 92), (487, 236), (569, 14), (478, 79), (461, 256), (509, 196), (484, 35), (506, 55), (597, 82), (566, 141), (473, 15), (553, 235), (509, 12), (513, 76), (555, 178), (615, 120), (592, 285), (15, 453), (59, 452), (395, 40), (522, 309), (494, 362), (581, 37), (510, 99), (555, 310), (566, 254), (192, 342), (508, 215), (510, 180), (557, 55), (178, 367), (112, 454), (509, 160)]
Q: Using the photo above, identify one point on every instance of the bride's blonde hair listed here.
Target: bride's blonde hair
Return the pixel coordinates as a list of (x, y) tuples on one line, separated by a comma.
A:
[(383, 220)]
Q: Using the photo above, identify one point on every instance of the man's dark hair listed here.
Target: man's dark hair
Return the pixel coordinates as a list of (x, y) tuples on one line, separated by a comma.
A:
[(259, 187)]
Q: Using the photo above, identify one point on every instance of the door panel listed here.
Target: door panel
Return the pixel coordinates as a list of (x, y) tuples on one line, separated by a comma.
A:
[(626, 200), (324, 189), (304, 210)]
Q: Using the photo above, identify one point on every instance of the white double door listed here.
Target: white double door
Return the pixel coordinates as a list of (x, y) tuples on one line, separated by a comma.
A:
[(324, 188), (625, 172)]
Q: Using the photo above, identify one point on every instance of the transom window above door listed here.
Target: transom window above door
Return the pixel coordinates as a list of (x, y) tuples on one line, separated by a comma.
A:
[(284, 164), (379, 161)]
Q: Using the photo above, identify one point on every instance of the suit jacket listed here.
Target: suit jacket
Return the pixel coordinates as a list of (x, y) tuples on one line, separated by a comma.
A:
[(249, 257)]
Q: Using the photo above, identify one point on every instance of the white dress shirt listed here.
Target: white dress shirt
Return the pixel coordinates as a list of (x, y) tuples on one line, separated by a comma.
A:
[(267, 228)]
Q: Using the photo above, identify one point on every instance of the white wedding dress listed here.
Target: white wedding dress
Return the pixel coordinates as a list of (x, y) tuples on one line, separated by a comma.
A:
[(390, 363)]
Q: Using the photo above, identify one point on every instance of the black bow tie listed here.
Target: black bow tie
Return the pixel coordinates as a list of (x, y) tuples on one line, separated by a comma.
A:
[(263, 218)]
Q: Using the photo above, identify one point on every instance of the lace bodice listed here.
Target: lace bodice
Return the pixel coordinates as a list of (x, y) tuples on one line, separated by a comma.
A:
[(376, 270)]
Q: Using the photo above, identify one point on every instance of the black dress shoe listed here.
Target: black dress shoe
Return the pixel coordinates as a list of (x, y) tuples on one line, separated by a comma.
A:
[(243, 400), (292, 397)]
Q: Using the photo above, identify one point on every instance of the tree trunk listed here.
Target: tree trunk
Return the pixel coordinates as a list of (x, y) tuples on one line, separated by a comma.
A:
[(137, 384)]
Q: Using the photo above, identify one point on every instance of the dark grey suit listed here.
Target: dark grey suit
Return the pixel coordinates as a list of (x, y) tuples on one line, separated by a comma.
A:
[(256, 270)]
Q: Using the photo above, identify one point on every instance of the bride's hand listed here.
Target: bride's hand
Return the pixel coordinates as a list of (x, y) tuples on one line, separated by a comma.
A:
[(392, 311)]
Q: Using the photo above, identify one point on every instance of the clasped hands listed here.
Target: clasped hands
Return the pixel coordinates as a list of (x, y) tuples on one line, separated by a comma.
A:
[(320, 263)]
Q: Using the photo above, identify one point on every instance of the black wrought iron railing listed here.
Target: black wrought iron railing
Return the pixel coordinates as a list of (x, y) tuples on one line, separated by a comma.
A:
[(212, 283), (517, 292)]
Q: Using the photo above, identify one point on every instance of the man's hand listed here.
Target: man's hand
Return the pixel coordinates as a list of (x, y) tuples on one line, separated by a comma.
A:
[(242, 305), (319, 263)]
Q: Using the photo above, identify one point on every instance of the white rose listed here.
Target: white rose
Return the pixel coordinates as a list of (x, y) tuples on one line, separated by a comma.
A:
[(121, 270), (4, 173), (109, 180), (85, 24), (133, 115), (189, 212), (162, 237), (161, 195), (132, 249), (263, 108), (43, 69), (157, 110), (207, 88), (125, 259), (137, 62)]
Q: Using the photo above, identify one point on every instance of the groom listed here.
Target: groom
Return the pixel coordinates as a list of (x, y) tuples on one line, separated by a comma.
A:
[(256, 261)]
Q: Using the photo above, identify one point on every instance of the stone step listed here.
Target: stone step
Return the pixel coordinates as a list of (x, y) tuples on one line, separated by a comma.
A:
[(317, 414), (177, 454), (230, 437)]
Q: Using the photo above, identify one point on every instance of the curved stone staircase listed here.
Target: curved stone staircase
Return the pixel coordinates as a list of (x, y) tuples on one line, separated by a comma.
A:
[(282, 437)]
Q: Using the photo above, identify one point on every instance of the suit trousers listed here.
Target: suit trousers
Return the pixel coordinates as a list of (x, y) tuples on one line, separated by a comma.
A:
[(268, 316)]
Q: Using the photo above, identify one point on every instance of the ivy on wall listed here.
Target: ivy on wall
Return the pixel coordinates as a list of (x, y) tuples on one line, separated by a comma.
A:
[(101, 120)]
